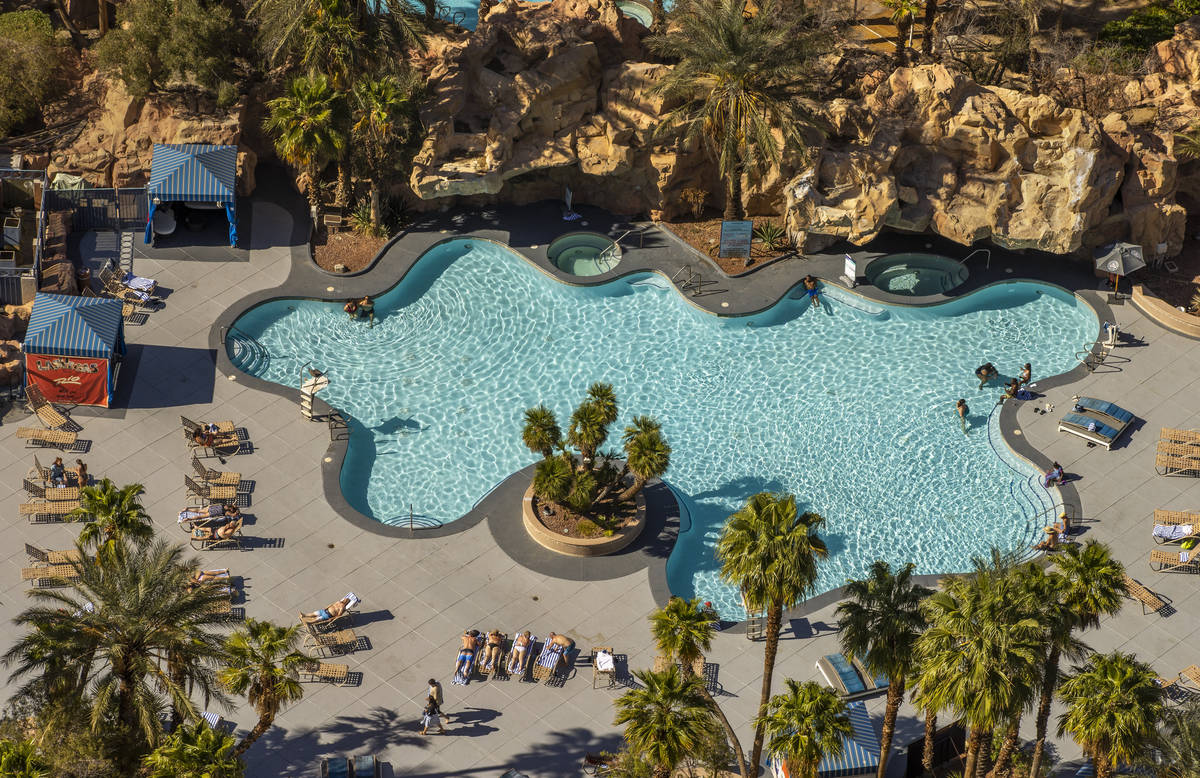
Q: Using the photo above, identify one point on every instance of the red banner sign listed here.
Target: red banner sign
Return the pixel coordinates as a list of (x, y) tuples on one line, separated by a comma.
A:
[(69, 380)]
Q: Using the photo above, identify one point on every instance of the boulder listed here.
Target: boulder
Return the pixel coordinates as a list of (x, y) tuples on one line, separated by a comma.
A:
[(11, 363)]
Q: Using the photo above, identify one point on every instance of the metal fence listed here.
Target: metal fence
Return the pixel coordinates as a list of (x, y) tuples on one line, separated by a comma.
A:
[(101, 209)]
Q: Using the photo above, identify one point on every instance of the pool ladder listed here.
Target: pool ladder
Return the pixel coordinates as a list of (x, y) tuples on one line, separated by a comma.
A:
[(986, 253), (691, 281)]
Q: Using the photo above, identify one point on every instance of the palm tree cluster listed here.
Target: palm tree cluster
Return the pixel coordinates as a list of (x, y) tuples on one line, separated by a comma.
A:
[(350, 96), (573, 472), (129, 645)]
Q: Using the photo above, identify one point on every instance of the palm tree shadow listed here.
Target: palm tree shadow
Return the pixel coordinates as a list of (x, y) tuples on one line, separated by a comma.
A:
[(298, 751)]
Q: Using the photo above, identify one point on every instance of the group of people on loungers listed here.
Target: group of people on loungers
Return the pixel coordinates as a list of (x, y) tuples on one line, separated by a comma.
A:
[(61, 476), (493, 651), (212, 522)]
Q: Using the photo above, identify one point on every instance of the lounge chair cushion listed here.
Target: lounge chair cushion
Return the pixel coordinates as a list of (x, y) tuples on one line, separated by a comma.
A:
[(1172, 532), (1107, 408), (138, 283), (1084, 422), (846, 673)]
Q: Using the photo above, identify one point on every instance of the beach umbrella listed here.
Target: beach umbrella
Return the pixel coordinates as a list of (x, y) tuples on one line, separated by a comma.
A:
[(1120, 259)]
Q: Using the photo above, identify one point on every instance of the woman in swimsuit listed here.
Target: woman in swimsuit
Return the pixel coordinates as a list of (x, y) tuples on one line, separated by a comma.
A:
[(1026, 374), (466, 654), (491, 654), (520, 652)]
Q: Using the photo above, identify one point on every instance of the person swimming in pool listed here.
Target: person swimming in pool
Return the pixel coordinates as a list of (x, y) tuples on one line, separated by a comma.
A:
[(986, 372), (810, 288), (962, 410)]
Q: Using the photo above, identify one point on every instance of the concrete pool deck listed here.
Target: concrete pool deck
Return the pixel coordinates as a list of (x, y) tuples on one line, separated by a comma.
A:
[(418, 595)]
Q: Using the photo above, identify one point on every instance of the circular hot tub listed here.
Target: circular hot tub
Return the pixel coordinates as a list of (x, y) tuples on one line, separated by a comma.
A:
[(584, 253), (916, 275), (636, 11)]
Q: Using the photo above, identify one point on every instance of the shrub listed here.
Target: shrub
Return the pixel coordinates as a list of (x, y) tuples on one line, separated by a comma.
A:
[(694, 198), (587, 528), (773, 236), (29, 60), (1143, 28)]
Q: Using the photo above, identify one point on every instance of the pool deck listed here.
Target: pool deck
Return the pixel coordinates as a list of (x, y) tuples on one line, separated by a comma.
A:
[(419, 594)]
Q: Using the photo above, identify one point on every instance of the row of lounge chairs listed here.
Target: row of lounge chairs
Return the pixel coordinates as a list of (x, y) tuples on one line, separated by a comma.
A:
[(1178, 452), (545, 666), (1096, 421), (358, 767)]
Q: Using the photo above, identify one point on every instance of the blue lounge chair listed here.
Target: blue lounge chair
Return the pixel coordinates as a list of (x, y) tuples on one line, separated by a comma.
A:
[(841, 675), (1092, 428), (1114, 412), (876, 683), (338, 767), (366, 766)]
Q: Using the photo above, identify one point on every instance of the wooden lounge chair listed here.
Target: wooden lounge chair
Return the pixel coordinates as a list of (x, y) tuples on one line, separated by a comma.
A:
[(609, 671), (1171, 464), (1175, 526), (40, 512), (338, 767), (52, 557), (42, 408), (1191, 674), (551, 659), (45, 576), (233, 537), (1176, 449), (342, 641), (215, 477), (112, 286), (1174, 561), (512, 652), (210, 492), (326, 672), (129, 311), (366, 766), (50, 493), (223, 427), (1151, 602), (661, 663), (346, 617), (37, 438), (1180, 436)]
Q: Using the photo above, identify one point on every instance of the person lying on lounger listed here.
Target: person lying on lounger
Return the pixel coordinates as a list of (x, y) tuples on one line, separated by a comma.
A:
[(332, 611), (520, 652), (471, 639), (206, 516), (204, 576), (223, 531), (491, 653)]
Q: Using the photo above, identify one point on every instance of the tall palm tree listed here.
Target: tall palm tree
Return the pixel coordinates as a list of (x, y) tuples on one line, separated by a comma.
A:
[(382, 123), (648, 455), (770, 552), (666, 719), (806, 724), (306, 124), (541, 433), (981, 654), (736, 85), (331, 43), (1113, 705), (588, 431), (1087, 582), (1180, 742), (116, 629), (683, 631), (931, 9), (20, 759), (195, 751), (603, 396), (264, 666), (114, 517), (904, 15), (389, 26), (880, 622)]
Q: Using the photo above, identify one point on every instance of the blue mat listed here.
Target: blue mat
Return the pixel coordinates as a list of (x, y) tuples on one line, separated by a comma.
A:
[(1107, 408), (1079, 420), (848, 674)]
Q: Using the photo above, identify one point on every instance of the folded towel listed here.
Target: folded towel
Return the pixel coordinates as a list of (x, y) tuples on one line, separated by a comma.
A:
[(138, 282), (604, 661), (1172, 531), (1185, 556)]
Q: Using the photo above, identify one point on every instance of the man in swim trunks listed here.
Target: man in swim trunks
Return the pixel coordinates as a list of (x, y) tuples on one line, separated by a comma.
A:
[(491, 654), (367, 308), (985, 372), (325, 614), (520, 652), (466, 653), (810, 288)]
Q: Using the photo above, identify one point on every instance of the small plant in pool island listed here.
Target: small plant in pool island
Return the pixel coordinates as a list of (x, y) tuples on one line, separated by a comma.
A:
[(576, 485)]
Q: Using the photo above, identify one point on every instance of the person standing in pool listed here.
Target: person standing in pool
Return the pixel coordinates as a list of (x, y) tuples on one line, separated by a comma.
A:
[(962, 410), (986, 372), (367, 308), (1026, 374), (810, 288)]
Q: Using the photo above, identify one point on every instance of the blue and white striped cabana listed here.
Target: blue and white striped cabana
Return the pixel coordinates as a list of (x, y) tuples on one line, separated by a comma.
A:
[(860, 752), (193, 172), (72, 347)]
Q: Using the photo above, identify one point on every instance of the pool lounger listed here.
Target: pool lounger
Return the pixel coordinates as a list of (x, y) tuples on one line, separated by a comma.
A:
[(1082, 425), (1101, 408), (841, 675)]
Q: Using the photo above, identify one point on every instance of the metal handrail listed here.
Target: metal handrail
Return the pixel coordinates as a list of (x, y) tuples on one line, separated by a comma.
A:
[(986, 253)]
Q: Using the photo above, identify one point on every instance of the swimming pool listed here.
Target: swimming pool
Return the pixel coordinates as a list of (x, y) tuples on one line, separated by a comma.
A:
[(850, 406)]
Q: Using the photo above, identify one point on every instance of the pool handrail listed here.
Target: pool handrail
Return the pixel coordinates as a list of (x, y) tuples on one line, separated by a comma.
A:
[(986, 252)]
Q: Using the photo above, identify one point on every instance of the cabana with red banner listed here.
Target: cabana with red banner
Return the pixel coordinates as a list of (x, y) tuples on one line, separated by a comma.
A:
[(73, 347)]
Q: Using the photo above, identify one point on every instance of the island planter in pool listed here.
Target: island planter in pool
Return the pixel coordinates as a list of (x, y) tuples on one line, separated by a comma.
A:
[(584, 253), (916, 275)]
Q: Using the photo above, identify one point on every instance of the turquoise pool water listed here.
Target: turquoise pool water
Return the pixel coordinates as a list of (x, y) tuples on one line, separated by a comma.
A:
[(850, 406)]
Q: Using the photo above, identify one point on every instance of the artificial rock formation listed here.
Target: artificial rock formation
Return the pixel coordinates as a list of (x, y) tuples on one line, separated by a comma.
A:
[(114, 146)]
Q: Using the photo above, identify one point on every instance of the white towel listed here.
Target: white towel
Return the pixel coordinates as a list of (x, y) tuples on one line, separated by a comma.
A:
[(138, 282), (1172, 531), (604, 661), (1185, 556)]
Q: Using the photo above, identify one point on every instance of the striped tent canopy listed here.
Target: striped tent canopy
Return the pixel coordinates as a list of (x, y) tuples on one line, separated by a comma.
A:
[(860, 751), (71, 326), (193, 171)]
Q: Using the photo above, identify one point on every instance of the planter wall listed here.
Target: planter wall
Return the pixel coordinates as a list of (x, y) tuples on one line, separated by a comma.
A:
[(600, 546)]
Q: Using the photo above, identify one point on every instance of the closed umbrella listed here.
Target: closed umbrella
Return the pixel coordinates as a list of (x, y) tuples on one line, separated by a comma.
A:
[(1120, 259)]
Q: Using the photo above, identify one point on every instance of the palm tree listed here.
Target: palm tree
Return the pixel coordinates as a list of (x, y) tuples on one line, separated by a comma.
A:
[(331, 43), (541, 433), (880, 622), (1187, 143), (1113, 704), (602, 395), (263, 666), (805, 724), (114, 516), (195, 751), (382, 123), (1180, 742), (130, 632), (931, 9), (904, 14), (389, 27), (20, 759), (552, 479), (1086, 583), (588, 431), (770, 553), (666, 719), (306, 124), (683, 631), (735, 84), (981, 654), (647, 455)]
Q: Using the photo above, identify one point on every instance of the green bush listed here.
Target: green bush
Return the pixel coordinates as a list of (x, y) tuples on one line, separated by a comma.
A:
[(29, 60), (1143, 28), (157, 39), (587, 528)]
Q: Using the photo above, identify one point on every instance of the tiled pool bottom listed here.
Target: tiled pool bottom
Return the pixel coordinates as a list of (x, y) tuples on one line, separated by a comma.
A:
[(849, 406)]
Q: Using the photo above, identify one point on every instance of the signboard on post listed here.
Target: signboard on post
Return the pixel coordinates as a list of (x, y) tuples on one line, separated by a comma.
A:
[(735, 239), (850, 271)]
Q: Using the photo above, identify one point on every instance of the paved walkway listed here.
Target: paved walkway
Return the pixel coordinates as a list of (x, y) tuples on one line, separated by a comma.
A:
[(418, 595)]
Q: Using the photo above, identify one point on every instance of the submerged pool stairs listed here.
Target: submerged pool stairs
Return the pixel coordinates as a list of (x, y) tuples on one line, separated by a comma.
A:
[(246, 353)]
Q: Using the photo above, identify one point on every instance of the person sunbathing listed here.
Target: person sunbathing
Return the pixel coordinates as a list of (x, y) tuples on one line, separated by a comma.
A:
[(491, 653), (520, 652), (466, 653), (204, 437), (204, 576), (562, 641), (209, 515), (333, 611), (223, 531)]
